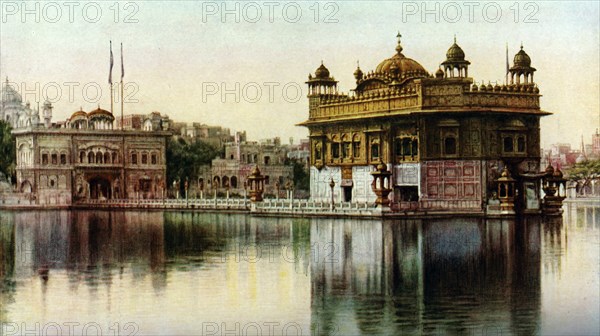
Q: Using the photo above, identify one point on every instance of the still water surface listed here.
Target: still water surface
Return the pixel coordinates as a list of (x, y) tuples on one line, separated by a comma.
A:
[(155, 273)]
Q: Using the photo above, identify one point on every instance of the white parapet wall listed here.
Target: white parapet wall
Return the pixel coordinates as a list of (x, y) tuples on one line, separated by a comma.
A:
[(319, 183), (361, 184)]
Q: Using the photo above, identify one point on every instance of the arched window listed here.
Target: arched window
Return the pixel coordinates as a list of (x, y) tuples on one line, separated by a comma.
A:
[(450, 145), (345, 147), (375, 149), (521, 144), (216, 182), (107, 157), (134, 158), (98, 157), (81, 156), (90, 157), (318, 151), (335, 148), (154, 158), (233, 181), (356, 146), (415, 147), (406, 147), (144, 158), (507, 144), (63, 158)]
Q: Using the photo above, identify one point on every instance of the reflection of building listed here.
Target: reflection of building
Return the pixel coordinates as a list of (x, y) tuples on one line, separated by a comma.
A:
[(88, 159), (444, 138), (438, 277), (17, 114)]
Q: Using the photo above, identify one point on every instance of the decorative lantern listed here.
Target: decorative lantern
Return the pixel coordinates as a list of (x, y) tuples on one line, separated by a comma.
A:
[(381, 184), (506, 191), (256, 184)]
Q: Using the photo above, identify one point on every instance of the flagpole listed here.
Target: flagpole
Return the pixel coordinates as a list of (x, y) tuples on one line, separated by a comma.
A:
[(110, 80), (124, 178), (122, 90), (506, 75)]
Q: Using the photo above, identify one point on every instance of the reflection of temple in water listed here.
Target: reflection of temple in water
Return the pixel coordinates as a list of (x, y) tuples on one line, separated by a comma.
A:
[(427, 277), (91, 243), (101, 244), (583, 214)]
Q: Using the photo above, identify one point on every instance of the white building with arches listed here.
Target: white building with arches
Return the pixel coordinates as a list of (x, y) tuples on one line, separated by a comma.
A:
[(19, 114)]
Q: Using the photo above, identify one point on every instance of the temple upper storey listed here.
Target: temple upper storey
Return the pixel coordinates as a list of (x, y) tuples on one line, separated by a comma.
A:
[(400, 86)]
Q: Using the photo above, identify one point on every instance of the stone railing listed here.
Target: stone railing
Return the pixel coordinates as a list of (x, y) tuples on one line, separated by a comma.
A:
[(205, 203), (301, 206), (449, 205)]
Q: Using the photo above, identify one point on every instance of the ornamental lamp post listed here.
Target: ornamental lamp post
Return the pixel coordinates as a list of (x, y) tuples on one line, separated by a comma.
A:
[(332, 185), (185, 187)]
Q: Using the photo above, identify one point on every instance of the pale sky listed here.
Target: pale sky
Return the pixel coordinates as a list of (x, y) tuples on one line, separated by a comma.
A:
[(181, 56)]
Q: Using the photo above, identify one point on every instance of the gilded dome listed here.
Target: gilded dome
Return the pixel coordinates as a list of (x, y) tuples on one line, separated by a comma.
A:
[(455, 56), (522, 59), (100, 112), (322, 72), (400, 64), (455, 53), (79, 113)]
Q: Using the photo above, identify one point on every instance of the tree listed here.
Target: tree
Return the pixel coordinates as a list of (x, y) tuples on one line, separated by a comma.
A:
[(184, 160), (7, 150), (584, 172), (301, 177)]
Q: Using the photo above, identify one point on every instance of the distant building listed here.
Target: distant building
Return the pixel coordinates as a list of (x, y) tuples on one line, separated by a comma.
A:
[(444, 138), (145, 122), (300, 153), (19, 114), (241, 157), (596, 143), (215, 135), (87, 159)]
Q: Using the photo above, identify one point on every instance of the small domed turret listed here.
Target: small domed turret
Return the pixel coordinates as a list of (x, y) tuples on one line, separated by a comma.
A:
[(521, 67), (455, 59), (522, 59), (358, 74), (322, 72)]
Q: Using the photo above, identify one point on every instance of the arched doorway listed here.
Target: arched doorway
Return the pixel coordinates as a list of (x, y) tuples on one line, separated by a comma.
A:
[(26, 187), (100, 188)]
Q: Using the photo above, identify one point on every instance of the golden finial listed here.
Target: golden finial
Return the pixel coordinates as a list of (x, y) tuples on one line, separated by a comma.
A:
[(455, 38), (399, 47)]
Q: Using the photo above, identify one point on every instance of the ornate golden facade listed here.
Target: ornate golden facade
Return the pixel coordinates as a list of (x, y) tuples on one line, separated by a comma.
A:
[(444, 138)]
